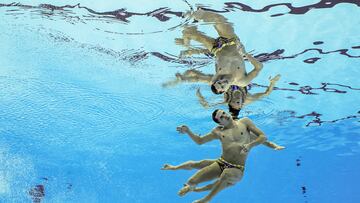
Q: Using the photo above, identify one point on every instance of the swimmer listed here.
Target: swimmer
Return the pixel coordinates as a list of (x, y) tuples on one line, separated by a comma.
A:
[(190, 165), (236, 97), (236, 140), (227, 50)]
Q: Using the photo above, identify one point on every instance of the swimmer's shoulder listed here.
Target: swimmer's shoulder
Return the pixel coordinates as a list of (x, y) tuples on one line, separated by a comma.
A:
[(245, 121), (218, 130)]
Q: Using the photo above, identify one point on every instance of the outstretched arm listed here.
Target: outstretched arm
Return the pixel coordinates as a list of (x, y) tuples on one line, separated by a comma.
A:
[(196, 138), (267, 143), (255, 72), (203, 101), (254, 97), (273, 145)]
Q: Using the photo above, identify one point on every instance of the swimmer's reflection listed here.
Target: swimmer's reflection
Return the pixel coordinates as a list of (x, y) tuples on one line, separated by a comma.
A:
[(227, 49), (237, 138), (237, 97)]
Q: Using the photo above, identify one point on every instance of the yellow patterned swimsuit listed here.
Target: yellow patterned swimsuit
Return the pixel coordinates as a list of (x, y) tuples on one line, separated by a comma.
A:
[(222, 42), (224, 165)]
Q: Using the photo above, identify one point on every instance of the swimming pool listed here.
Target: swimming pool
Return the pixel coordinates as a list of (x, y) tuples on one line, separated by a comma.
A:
[(84, 118)]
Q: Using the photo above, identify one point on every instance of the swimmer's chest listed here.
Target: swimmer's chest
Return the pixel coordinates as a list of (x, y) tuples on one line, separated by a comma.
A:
[(238, 134)]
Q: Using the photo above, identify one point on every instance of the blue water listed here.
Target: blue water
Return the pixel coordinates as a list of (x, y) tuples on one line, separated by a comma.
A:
[(83, 114)]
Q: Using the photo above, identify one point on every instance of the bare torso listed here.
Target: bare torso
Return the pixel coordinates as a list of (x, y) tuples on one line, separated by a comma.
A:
[(232, 141)]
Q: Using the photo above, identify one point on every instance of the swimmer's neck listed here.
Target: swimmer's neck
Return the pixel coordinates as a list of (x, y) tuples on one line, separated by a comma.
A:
[(217, 76), (230, 125)]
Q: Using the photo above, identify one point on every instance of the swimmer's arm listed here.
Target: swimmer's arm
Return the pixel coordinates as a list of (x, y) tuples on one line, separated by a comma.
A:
[(203, 101), (267, 143), (250, 98), (202, 139), (273, 145), (256, 131), (254, 97), (255, 72)]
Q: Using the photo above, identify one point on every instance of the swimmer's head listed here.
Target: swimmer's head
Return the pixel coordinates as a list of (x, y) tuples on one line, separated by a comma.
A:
[(221, 117), (220, 86), (235, 97)]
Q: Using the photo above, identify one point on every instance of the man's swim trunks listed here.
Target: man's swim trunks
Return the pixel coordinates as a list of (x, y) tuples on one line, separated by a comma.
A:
[(222, 42), (224, 165)]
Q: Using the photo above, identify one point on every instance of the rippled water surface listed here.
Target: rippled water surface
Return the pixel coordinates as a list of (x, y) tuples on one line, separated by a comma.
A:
[(84, 118)]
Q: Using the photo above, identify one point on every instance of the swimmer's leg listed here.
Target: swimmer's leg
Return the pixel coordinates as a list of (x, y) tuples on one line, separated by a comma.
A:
[(191, 33), (228, 178), (192, 51), (190, 165), (223, 27), (254, 97), (252, 74), (205, 174), (189, 76), (206, 187)]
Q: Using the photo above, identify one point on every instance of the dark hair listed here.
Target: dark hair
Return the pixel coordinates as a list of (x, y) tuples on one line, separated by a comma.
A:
[(214, 90), (214, 116), (234, 112)]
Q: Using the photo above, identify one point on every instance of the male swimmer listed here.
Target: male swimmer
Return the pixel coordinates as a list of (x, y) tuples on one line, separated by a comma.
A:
[(237, 137)]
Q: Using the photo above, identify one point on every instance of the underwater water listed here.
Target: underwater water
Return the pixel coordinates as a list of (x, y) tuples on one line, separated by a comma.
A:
[(84, 116)]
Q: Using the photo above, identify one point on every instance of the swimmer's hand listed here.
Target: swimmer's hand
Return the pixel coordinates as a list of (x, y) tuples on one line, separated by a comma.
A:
[(183, 129), (279, 148)]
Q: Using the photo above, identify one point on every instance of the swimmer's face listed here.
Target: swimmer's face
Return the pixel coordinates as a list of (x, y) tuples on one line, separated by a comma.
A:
[(223, 118), (237, 99), (221, 85)]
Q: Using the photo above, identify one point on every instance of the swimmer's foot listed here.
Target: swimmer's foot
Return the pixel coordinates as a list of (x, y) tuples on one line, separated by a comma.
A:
[(279, 148), (182, 41), (183, 191), (200, 201), (168, 167)]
